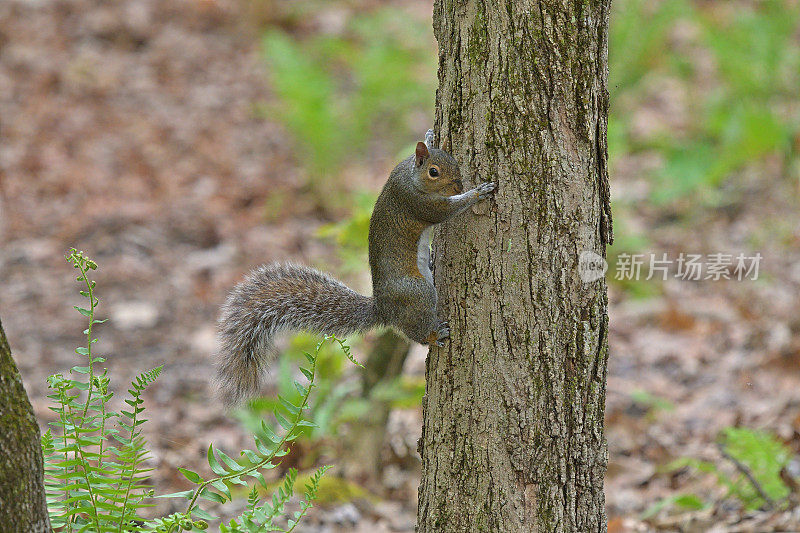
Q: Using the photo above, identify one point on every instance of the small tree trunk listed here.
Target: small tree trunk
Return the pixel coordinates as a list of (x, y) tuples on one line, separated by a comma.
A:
[(22, 501), (513, 416), (383, 366)]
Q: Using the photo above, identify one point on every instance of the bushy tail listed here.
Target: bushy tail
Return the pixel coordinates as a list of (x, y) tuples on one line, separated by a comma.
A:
[(275, 298)]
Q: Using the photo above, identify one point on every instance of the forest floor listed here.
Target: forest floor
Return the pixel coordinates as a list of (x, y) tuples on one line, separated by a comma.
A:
[(129, 131)]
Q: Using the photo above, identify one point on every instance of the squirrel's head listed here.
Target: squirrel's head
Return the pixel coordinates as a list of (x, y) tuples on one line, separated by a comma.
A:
[(436, 171)]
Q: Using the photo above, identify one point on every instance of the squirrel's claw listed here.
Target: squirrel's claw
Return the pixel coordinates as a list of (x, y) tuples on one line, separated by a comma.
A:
[(485, 190), (444, 333), (429, 138)]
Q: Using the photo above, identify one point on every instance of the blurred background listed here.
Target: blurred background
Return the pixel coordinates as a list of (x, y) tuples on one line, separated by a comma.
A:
[(182, 142)]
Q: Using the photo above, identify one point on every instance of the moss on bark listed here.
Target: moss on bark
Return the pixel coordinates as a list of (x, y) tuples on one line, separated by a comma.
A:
[(22, 500)]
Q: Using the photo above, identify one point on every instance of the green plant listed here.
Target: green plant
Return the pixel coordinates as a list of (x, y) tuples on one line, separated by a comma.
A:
[(687, 501), (758, 458), (259, 517), (639, 34), (737, 120), (337, 94), (763, 456), (269, 445), (95, 476), (350, 235), (90, 483), (335, 402), (651, 403), (754, 47), (735, 133)]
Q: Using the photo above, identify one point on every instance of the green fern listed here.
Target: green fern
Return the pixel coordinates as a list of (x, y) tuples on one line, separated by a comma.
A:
[(93, 484), (261, 516), (95, 477), (268, 447)]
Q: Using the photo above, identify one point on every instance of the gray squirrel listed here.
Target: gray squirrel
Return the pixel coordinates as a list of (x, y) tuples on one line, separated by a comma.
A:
[(422, 190)]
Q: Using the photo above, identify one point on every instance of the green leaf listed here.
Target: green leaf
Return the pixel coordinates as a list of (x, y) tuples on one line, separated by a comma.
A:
[(259, 477), (690, 501), (232, 464), (252, 456), (289, 406), (687, 500), (764, 455), (222, 487), (192, 476), (307, 373), (237, 480), (201, 514), (263, 448), (301, 389), (267, 433), (183, 494), (285, 424), (209, 495), (213, 463)]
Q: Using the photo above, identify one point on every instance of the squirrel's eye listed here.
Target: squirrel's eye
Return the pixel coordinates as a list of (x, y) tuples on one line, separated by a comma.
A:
[(433, 172)]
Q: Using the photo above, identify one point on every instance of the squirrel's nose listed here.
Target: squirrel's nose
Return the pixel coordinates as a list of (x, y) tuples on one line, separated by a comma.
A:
[(459, 186)]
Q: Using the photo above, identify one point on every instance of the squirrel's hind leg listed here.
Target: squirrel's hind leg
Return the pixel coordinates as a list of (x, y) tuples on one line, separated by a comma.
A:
[(411, 307), (438, 337)]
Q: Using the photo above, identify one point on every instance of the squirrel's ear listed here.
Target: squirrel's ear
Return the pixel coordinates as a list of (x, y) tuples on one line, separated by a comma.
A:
[(422, 153), (445, 144)]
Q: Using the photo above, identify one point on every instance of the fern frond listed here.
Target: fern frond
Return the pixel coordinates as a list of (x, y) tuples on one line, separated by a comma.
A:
[(95, 472)]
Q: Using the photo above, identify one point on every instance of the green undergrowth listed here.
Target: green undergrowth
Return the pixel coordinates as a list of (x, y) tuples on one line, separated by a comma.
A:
[(751, 472), (338, 398), (97, 463), (351, 95), (741, 104)]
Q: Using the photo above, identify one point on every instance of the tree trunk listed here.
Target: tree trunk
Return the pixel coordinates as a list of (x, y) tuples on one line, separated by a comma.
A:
[(22, 501), (384, 365), (513, 416)]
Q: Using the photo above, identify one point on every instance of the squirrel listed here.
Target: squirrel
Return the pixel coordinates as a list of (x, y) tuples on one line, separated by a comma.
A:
[(422, 190)]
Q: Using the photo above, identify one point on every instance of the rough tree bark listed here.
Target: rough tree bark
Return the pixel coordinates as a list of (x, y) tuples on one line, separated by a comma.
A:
[(22, 501), (513, 417)]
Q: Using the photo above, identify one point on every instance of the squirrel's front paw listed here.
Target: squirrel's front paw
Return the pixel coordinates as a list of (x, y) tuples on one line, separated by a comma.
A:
[(485, 190)]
